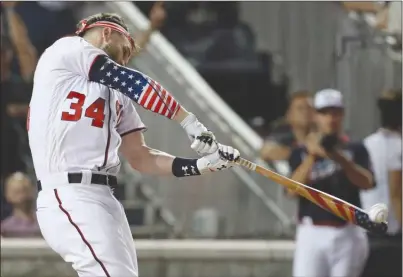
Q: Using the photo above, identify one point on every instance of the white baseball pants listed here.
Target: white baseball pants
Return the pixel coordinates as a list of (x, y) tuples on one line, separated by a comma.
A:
[(87, 226), (330, 251)]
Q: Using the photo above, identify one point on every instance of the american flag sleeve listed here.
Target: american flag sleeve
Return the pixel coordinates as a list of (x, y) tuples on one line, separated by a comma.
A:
[(139, 87)]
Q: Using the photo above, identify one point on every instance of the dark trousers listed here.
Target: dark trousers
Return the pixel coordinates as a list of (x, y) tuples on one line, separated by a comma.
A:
[(385, 257)]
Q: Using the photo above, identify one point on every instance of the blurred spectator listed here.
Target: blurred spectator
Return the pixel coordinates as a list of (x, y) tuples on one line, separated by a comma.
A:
[(385, 149), (325, 244), (157, 18), (20, 194), (15, 97), (291, 131), (48, 21), (14, 28)]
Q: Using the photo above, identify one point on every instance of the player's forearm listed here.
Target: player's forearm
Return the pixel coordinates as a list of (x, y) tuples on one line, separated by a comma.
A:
[(137, 86), (357, 175), (155, 162)]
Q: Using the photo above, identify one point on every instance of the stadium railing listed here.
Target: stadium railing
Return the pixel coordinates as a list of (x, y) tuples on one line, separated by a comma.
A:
[(162, 258)]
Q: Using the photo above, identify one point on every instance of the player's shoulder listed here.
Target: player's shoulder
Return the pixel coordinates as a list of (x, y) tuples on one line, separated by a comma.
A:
[(71, 43)]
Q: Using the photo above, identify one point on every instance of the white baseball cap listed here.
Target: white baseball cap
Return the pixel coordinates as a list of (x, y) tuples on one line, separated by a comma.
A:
[(328, 98)]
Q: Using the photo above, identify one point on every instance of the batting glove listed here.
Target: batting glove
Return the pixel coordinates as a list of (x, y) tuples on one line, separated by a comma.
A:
[(224, 158), (203, 140)]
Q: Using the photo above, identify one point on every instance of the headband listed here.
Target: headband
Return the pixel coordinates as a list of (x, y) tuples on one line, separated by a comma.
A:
[(116, 27)]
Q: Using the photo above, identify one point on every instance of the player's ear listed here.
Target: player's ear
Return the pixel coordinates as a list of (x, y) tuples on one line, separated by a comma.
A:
[(106, 34)]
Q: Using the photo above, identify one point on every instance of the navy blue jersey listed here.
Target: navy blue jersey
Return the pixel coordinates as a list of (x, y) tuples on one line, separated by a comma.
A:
[(328, 176)]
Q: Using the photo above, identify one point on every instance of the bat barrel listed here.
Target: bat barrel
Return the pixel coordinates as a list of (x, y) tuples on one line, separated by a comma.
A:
[(362, 220)]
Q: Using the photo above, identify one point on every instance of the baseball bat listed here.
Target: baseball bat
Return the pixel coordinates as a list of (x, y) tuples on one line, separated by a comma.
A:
[(326, 201)]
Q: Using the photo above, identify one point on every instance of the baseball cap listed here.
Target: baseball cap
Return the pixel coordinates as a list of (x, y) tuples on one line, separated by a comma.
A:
[(328, 98)]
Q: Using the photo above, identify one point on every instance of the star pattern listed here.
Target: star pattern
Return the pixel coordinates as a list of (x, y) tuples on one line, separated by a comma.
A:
[(135, 85), (362, 219)]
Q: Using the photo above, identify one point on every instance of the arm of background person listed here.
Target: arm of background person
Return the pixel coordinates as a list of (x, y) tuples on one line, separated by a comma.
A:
[(157, 18), (301, 168), (273, 151), (358, 6), (357, 170), (394, 166), (395, 191), (25, 51)]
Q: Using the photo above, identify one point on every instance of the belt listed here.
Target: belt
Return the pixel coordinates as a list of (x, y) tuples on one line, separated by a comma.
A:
[(97, 179)]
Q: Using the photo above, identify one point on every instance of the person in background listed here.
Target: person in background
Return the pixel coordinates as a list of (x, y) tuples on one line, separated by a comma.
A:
[(20, 194), (14, 28), (15, 95), (325, 244), (292, 131), (157, 18), (385, 150)]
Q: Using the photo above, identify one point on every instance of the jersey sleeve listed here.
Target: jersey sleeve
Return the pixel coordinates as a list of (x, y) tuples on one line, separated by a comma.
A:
[(130, 121), (82, 58), (394, 155)]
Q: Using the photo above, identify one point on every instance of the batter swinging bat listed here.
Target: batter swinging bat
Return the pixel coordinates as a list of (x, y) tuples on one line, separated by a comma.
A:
[(326, 201)]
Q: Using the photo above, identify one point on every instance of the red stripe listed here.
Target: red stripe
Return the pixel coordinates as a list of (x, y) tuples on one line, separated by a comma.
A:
[(173, 108), (167, 101), (341, 209), (156, 88), (81, 234), (146, 94), (319, 199), (161, 101)]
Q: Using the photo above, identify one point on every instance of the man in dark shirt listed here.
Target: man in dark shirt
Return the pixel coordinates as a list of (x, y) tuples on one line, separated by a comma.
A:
[(325, 244)]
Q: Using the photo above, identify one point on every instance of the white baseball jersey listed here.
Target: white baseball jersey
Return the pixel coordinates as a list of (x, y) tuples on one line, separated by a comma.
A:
[(75, 124)]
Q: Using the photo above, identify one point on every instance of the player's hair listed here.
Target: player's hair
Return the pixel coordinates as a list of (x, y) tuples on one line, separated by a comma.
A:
[(390, 106), (111, 17)]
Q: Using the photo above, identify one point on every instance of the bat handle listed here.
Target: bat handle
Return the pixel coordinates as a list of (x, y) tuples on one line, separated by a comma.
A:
[(245, 163)]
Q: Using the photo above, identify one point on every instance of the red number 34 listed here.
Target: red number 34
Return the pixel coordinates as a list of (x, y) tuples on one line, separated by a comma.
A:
[(95, 110)]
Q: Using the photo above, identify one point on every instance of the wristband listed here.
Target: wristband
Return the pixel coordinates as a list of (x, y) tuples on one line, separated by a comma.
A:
[(182, 167)]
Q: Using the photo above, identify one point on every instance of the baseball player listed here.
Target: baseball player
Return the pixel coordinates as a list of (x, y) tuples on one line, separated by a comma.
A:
[(81, 115), (325, 244)]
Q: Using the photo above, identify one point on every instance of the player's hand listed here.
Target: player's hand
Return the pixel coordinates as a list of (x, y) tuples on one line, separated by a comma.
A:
[(203, 140), (313, 146), (157, 15), (224, 158)]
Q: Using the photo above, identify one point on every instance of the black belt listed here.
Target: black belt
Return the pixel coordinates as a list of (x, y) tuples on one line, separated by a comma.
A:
[(97, 179)]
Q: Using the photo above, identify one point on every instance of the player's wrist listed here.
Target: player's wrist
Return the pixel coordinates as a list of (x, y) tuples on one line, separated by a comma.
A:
[(187, 119), (183, 167), (181, 115)]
